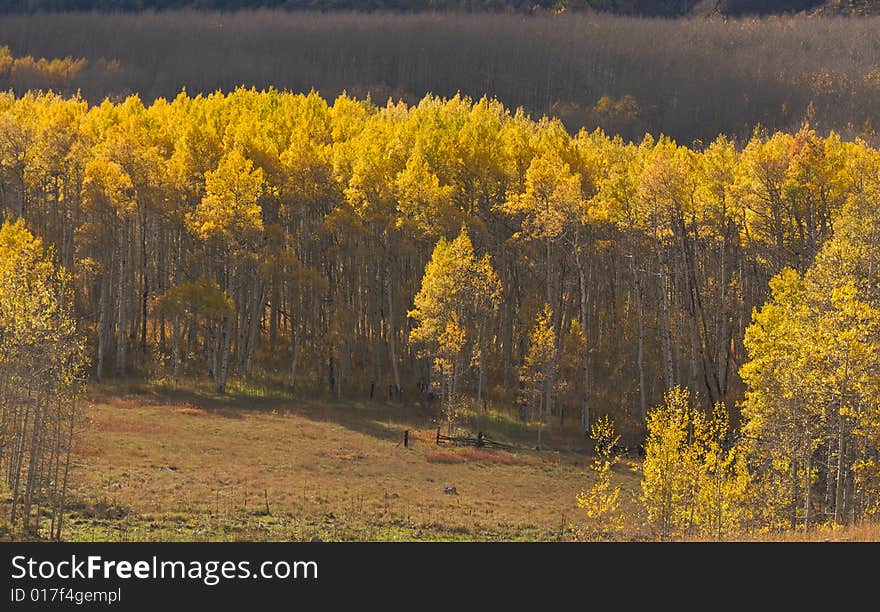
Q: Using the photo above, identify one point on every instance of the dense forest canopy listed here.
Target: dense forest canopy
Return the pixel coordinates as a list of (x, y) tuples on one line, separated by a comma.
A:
[(218, 225), (690, 79)]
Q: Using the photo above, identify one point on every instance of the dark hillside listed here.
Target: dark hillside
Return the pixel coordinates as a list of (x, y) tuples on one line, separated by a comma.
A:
[(690, 78), (653, 8)]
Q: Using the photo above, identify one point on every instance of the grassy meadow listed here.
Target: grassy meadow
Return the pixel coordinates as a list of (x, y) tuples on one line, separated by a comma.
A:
[(158, 465)]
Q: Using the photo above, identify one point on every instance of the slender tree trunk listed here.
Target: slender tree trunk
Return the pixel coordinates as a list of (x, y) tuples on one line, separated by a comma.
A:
[(120, 314), (482, 372), (18, 461), (34, 457), (666, 333), (257, 310), (391, 332), (808, 489), (841, 452), (175, 350), (794, 489), (273, 316), (145, 295), (294, 352), (540, 397), (226, 342), (55, 470), (507, 317), (640, 316), (723, 335), (553, 302), (102, 331), (213, 339), (66, 471), (585, 358)]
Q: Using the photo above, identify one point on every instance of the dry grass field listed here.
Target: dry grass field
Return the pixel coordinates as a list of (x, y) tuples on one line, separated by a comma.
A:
[(182, 465), (160, 464)]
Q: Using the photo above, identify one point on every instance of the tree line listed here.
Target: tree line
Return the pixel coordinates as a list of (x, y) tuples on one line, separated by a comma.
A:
[(802, 447), (211, 234)]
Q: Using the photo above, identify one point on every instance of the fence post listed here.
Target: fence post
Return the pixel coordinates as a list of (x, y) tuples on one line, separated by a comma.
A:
[(480, 438), (406, 439), (438, 436)]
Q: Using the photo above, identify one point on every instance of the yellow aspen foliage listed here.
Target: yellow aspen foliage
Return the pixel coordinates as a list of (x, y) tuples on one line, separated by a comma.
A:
[(107, 187), (666, 186), (696, 480), (671, 467), (552, 199), (224, 234), (230, 209), (41, 360), (723, 488), (534, 371), (812, 393), (433, 309), (458, 291), (601, 502), (202, 297), (423, 199), (6, 61)]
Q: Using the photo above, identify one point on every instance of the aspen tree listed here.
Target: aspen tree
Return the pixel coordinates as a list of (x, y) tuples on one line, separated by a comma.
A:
[(601, 502), (41, 358), (458, 292), (229, 215)]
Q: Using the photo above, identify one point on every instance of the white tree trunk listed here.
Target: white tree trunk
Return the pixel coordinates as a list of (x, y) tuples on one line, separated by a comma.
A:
[(120, 314)]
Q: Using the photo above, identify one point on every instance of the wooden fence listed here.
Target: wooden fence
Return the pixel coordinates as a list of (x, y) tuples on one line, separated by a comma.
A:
[(480, 441)]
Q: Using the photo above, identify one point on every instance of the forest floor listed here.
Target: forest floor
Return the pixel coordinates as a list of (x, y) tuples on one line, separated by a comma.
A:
[(160, 464)]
